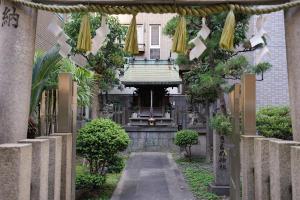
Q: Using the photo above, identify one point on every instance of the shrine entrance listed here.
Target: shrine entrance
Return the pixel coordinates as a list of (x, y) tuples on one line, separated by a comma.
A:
[(17, 37)]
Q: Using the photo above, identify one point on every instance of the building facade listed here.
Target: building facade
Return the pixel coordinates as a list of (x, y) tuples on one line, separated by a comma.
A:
[(273, 90)]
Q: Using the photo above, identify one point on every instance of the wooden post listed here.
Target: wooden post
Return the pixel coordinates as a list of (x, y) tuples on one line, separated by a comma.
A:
[(64, 115), (43, 115), (248, 104), (235, 167), (66, 123)]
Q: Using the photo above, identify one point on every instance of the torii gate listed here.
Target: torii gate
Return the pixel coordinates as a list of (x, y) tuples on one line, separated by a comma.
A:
[(17, 39)]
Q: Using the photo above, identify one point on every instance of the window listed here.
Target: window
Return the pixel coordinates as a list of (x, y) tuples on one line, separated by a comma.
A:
[(140, 33), (140, 36), (155, 41)]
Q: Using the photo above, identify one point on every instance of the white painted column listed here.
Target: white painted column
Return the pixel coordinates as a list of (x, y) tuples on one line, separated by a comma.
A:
[(17, 39)]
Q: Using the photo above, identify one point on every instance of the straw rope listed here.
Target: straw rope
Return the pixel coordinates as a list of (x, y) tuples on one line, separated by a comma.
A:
[(159, 9)]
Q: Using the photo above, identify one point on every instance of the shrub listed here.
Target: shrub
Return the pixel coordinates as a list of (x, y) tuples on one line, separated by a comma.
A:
[(89, 181), (99, 141), (221, 124), (116, 164), (185, 139), (274, 122)]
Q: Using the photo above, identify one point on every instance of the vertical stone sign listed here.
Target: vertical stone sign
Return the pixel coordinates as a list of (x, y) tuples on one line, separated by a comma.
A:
[(220, 186), (17, 39)]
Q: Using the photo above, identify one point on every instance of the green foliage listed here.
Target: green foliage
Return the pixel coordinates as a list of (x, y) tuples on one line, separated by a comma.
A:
[(104, 192), (235, 67), (185, 139), (99, 141), (43, 67), (116, 164), (274, 122), (84, 78), (221, 124), (261, 68), (206, 81), (203, 85), (111, 54), (198, 176), (89, 181)]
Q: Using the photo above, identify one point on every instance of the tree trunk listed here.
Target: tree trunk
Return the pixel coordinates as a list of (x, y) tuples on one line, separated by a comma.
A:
[(209, 134), (222, 102), (95, 106)]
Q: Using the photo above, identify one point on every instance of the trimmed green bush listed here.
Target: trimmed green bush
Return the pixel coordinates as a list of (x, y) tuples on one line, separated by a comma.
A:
[(185, 139), (274, 122), (221, 124), (116, 164), (89, 181), (99, 141)]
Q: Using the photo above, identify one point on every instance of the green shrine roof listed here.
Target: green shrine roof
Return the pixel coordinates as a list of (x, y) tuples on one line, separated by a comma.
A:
[(151, 72)]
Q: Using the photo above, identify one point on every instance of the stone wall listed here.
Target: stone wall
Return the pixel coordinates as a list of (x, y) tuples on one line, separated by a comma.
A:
[(158, 139), (270, 168), (43, 173)]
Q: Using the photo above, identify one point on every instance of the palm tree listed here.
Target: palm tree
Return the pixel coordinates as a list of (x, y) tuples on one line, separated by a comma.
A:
[(44, 66), (46, 69)]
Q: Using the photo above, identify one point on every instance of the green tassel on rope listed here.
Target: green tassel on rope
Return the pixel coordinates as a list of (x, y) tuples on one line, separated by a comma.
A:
[(84, 42), (131, 41), (227, 37), (179, 39)]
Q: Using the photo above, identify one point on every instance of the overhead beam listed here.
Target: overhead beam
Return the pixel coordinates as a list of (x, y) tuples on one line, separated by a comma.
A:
[(160, 2)]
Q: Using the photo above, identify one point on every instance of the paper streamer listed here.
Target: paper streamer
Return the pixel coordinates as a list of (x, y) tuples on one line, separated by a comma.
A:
[(100, 37), (205, 31), (262, 53), (261, 32), (54, 28), (199, 47), (65, 48)]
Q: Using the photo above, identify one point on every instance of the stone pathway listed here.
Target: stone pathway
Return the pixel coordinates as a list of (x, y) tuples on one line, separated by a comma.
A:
[(152, 176)]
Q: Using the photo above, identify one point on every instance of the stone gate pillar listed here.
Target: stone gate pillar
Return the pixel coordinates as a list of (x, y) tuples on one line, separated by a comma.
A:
[(17, 42), (292, 29)]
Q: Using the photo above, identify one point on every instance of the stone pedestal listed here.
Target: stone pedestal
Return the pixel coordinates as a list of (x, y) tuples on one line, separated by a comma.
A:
[(247, 164), (261, 168), (66, 166), (15, 171), (39, 169), (55, 153), (220, 186), (295, 167), (280, 169), (17, 39), (292, 29)]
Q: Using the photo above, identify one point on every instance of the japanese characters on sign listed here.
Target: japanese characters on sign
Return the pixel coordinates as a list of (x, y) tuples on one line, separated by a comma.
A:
[(9, 17), (222, 154)]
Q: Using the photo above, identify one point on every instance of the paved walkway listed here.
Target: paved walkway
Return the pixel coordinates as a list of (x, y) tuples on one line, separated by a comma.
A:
[(152, 176)]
